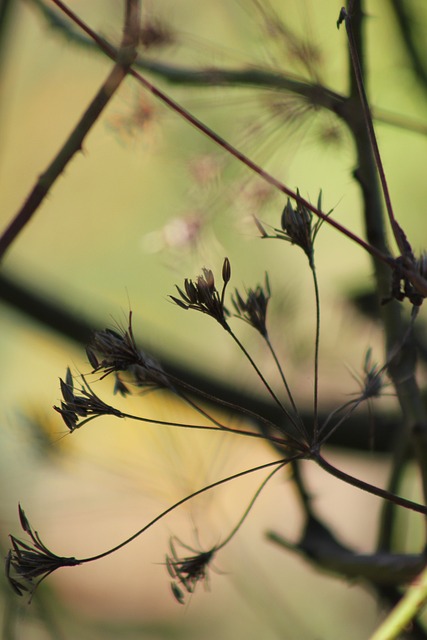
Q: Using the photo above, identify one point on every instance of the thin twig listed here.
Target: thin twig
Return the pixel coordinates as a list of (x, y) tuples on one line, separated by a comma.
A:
[(415, 278), (233, 151), (125, 57), (164, 513), (370, 126)]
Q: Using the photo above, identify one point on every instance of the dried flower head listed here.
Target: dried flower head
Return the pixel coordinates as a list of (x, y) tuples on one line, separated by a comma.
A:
[(86, 405), (297, 227), (27, 565), (202, 295), (401, 286), (253, 310), (371, 381), (111, 351), (188, 571)]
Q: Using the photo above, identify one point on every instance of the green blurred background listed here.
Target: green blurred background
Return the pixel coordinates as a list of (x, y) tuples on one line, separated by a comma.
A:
[(148, 203)]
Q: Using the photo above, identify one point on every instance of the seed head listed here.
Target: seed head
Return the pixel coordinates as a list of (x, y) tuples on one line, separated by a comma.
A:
[(83, 404), (372, 381), (112, 351), (28, 564), (188, 571), (253, 309), (297, 228), (202, 295)]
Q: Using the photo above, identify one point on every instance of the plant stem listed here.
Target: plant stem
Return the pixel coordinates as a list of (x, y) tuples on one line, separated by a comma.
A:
[(181, 502), (264, 381), (262, 421), (405, 611), (282, 375), (316, 354), (369, 488), (402, 361), (218, 426), (358, 76), (387, 522), (420, 283), (250, 505)]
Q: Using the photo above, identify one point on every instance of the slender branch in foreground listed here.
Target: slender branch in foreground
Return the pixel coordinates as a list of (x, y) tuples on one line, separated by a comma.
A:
[(369, 488), (263, 380), (316, 355), (249, 76), (81, 406), (125, 57), (164, 513), (76, 139), (418, 281), (251, 504)]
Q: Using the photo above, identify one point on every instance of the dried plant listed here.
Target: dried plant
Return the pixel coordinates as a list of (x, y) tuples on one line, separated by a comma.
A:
[(400, 278)]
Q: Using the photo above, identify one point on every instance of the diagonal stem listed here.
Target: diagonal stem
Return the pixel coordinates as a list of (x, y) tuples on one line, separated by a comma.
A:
[(415, 278), (366, 486), (126, 55), (358, 76)]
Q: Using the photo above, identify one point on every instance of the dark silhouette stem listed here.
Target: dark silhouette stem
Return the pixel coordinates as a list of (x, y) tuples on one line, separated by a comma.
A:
[(369, 488), (181, 502)]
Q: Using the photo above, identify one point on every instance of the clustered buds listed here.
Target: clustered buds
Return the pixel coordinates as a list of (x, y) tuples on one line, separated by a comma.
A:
[(202, 295), (297, 229), (401, 286), (187, 572), (372, 382), (111, 352), (28, 564), (76, 409), (253, 310)]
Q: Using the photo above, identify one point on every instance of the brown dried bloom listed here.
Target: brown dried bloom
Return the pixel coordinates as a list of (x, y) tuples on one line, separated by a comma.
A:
[(27, 565), (297, 228), (401, 286), (253, 310), (188, 571), (110, 352), (372, 382), (202, 295), (87, 405)]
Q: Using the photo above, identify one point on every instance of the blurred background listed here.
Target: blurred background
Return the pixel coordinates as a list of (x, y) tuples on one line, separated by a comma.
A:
[(147, 203)]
